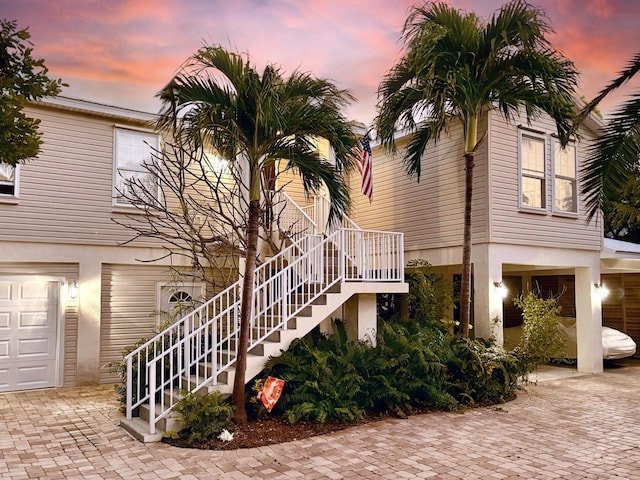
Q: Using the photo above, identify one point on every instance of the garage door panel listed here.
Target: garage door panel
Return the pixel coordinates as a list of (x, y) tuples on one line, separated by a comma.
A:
[(5, 291), (33, 376), (34, 291), (35, 319), (28, 334), (35, 347), (5, 319)]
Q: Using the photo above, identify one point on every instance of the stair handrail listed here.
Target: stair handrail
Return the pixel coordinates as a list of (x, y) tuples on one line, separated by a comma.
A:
[(292, 218), (322, 207)]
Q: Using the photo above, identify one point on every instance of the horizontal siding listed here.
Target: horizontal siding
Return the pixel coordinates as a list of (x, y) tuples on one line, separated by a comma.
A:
[(128, 306), (509, 225), (68, 271), (66, 192), (429, 212)]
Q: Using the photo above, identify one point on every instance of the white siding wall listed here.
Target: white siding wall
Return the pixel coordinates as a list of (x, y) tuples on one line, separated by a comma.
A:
[(430, 213), (129, 307), (66, 192), (509, 224)]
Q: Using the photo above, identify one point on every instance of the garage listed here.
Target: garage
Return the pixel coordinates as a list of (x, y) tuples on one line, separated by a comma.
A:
[(29, 316)]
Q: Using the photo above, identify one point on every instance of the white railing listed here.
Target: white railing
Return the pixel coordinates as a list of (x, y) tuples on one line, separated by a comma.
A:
[(293, 221), (321, 208), (195, 350)]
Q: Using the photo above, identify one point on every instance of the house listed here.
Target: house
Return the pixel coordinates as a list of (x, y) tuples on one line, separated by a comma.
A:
[(528, 224), (75, 289)]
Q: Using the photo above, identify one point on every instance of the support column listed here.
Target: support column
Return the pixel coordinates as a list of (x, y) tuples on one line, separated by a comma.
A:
[(588, 320), (89, 304), (361, 317), (487, 301)]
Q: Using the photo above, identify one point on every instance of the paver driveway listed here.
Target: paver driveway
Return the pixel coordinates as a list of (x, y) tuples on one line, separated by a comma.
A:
[(581, 427)]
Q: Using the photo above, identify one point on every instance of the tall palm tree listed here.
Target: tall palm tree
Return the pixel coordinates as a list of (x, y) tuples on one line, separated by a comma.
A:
[(614, 157), (218, 98), (456, 67)]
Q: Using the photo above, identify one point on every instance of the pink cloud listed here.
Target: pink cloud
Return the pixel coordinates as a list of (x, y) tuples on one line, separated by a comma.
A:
[(123, 45)]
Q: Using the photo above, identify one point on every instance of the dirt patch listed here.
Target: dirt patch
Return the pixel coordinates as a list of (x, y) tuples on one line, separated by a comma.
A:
[(273, 430)]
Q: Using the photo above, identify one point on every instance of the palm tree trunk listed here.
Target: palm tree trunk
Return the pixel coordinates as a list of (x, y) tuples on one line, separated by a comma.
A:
[(240, 415), (465, 287)]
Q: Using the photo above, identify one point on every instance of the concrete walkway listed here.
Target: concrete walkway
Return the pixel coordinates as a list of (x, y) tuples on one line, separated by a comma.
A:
[(568, 428)]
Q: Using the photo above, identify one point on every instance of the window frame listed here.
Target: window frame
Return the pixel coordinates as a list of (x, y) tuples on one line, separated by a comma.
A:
[(574, 179), (16, 185), (521, 175), (117, 201)]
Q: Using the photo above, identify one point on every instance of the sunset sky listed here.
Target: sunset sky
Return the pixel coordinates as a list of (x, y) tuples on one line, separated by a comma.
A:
[(121, 52)]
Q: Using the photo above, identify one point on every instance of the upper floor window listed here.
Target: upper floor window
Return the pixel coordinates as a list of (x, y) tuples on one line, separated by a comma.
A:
[(9, 180), (134, 152), (533, 173), (565, 198)]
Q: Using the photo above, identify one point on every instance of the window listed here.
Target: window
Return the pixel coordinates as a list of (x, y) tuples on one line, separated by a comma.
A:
[(8, 180), (564, 178), (532, 165), (133, 150)]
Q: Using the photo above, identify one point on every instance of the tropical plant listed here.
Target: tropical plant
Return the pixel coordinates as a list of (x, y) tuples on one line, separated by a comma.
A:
[(251, 118), (613, 159), (22, 78), (430, 297), (455, 69), (542, 339), (622, 213), (205, 416)]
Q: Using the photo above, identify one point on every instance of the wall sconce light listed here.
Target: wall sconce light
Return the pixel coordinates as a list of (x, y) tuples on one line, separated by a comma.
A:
[(73, 290), (601, 290), (501, 289)]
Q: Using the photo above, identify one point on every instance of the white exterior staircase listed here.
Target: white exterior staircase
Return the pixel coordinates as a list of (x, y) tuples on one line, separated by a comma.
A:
[(294, 291)]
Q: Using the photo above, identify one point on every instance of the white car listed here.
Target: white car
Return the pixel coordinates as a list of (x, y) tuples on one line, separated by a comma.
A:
[(615, 344)]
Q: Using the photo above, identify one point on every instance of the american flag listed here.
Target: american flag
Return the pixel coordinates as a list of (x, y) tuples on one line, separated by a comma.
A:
[(365, 167)]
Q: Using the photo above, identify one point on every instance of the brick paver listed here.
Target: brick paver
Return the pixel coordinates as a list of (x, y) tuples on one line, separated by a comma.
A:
[(574, 428)]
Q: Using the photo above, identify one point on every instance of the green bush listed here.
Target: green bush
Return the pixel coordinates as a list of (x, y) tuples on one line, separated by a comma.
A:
[(411, 366), (542, 340), (205, 416), (321, 381), (479, 373), (429, 300)]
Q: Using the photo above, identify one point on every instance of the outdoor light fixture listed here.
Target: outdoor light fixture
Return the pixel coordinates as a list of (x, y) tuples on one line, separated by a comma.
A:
[(501, 288), (73, 290), (602, 290)]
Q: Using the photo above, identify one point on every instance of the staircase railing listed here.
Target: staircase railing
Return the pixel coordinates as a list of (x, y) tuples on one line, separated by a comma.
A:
[(321, 208), (293, 220), (195, 350)]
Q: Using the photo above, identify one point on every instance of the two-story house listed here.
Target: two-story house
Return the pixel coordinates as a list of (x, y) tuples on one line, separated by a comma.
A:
[(75, 289), (529, 225)]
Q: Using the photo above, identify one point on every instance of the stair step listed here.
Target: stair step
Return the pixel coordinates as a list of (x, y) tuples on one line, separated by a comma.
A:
[(139, 429), (171, 423)]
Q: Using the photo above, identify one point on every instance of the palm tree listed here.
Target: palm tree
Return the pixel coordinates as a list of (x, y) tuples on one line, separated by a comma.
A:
[(456, 67), (614, 156), (219, 99)]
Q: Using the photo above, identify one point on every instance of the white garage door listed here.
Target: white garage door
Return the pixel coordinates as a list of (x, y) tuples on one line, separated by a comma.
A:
[(28, 334)]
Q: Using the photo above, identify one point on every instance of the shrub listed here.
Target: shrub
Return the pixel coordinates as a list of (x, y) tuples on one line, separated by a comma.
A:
[(542, 340), (205, 416), (321, 381), (479, 373)]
